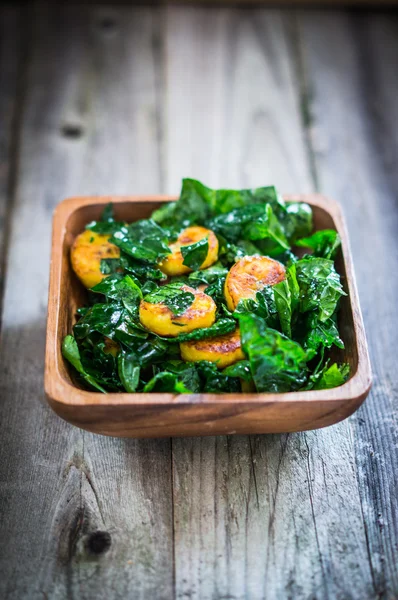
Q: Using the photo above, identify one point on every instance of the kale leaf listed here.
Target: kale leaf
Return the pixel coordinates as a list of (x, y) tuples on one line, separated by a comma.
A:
[(197, 203), (286, 296), (121, 288), (239, 369), (186, 373), (263, 305), (320, 286), (107, 223), (173, 296), (214, 381), (277, 363), (231, 225), (324, 243), (144, 240), (267, 227), (129, 371), (330, 377), (319, 334), (296, 220), (166, 382), (70, 351), (140, 272), (220, 327), (194, 255), (208, 276)]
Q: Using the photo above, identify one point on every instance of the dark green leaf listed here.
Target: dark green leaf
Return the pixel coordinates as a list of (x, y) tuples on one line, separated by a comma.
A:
[(151, 351), (185, 372), (98, 362), (148, 287), (209, 275), (297, 220), (194, 255), (70, 351), (166, 382), (216, 291), (220, 327), (263, 306), (107, 214), (103, 318), (144, 240), (240, 369), (332, 377), (283, 302), (291, 276), (127, 263), (197, 203), (122, 289), (129, 330), (319, 334), (231, 225), (277, 363), (320, 286), (213, 380), (129, 371), (173, 296), (324, 243), (107, 223), (267, 227), (287, 296)]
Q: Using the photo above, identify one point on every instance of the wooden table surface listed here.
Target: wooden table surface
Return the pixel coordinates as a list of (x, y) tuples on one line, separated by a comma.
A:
[(97, 100)]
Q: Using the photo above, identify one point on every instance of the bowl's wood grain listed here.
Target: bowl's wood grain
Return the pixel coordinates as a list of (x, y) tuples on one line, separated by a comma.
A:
[(157, 415)]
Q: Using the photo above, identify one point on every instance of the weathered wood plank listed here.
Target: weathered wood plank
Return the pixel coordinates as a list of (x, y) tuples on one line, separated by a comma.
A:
[(278, 516), (267, 516), (90, 126), (10, 75), (229, 82), (355, 140)]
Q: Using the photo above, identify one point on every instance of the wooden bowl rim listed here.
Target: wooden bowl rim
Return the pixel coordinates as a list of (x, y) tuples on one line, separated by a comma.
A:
[(61, 392)]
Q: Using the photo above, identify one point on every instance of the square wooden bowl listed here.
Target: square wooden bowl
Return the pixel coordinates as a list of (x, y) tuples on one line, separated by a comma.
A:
[(160, 415)]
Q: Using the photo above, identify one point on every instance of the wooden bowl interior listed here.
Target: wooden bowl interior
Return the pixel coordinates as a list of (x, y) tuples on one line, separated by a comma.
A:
[(74, 294)]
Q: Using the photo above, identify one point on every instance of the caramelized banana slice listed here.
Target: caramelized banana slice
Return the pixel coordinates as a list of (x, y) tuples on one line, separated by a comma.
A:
[(87, 251), (172, 264), (223, 350), (160, 319), (249, 275)]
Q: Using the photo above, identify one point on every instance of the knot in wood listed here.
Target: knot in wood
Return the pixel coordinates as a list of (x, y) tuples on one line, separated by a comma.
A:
[(98, 542)]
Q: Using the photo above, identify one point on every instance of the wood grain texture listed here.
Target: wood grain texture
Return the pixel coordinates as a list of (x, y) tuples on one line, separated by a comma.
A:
[(300, 516), (261, 517), (11, 73), (245, 85), (357, 137), (59, 485)]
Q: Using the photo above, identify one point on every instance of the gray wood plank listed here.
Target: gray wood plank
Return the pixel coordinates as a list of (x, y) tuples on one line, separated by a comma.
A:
[(229, 81), (90, 126), (10, 76), (355, 141), (267, 516)]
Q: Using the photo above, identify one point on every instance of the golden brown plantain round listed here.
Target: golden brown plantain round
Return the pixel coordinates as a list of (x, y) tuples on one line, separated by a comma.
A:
[(249, 275), (160, 319), (88, 249), (223, 350), (173, 265)]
